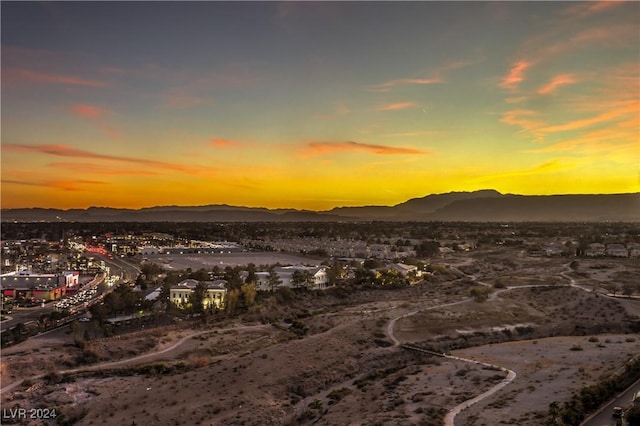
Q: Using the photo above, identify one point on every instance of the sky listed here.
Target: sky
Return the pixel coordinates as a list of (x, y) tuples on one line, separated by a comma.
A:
[(315, 105)]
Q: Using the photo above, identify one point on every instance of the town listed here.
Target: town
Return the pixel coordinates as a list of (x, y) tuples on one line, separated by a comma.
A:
[(116, 299)]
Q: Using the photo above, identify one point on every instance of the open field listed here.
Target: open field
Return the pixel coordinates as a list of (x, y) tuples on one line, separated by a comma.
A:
[(344, 369)]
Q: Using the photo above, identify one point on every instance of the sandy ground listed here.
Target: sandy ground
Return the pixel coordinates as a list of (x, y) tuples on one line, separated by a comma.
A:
[(344, 370), (547, 370)]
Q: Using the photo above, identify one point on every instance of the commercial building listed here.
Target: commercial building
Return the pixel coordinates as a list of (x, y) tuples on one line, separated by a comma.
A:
[(29, 286)]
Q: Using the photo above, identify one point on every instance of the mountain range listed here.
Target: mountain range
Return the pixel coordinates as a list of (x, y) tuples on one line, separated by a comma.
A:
[(477, 206)]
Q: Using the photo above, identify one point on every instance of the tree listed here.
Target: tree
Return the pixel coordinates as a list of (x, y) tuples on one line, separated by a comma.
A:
[(297, 279), (273, 280), (232, 276), (200, 275), (196, 299), (427, 248), (364, 276), (633, 415), (99, 313), (335, 272), (251, 274), (232, 300), (141, 282), (248, 292)]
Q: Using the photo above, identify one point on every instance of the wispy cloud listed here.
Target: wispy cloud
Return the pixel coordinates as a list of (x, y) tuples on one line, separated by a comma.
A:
[(331, 147), (613, 143), (340, 109), (525, 119), (436, 76), (585, 9), (629, 108), (176, 99), (396, 106), (71, 152), (515, 75), (388, 85), (87, 111), (66, 185), (103, 170), (17, 75), (540, 169), (97, 116), (72, 185), (225, 143), (557, 81)]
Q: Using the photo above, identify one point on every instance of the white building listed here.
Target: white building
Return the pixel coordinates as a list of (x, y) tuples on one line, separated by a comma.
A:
[(316, 277), (216, 292), (617, 250), (404, 269), (595, 250), (149, 250)]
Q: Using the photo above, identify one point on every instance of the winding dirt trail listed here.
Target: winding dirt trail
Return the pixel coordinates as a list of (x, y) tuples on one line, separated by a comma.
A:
[(134, 360), (449, 419)]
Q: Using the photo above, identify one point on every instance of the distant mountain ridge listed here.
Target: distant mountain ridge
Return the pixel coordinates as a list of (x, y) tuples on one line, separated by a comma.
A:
[(476, 206)]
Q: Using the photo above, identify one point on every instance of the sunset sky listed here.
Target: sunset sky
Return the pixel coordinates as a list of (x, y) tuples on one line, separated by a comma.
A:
[(315, 105)]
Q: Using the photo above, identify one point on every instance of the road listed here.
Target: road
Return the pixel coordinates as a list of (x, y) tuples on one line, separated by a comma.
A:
[(117, 266), (24, 315), (603, 416)]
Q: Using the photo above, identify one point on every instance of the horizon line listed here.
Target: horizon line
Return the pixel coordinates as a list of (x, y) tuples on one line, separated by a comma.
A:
[(307, 210)]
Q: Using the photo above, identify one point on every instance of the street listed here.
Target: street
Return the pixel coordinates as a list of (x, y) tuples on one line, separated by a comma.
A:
[(604, 416)]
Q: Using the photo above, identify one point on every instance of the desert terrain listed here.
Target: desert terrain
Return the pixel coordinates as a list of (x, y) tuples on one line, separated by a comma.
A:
[(549, 323)]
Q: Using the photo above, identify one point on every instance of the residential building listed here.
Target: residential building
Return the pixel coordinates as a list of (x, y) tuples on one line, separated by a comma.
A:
[(216, 291), (617, 250), (316, 277)]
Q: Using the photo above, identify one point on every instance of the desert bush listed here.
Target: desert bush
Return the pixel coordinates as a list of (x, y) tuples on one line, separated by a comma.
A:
[(480, 293), (316, 404)]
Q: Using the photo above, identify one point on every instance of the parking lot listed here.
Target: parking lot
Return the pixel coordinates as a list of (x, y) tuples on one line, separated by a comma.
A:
[(208, 261)]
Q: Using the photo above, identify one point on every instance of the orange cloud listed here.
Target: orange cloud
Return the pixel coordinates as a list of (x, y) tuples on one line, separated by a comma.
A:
[(96, 115), (521, 118), (388, 85), (582, 10), (515, 75), (67, 185), (225, 143), (321, 148), (559, 80), (70, 152), (102, 170), (87, 111), (396, 106), (629, 108), (23, 75), (71, 185)]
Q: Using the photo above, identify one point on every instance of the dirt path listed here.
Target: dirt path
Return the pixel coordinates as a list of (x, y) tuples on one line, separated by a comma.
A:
[(449, 419), (136, 359)]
